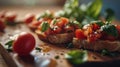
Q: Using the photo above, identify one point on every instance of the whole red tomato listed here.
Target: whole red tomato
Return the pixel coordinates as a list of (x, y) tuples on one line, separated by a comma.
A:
[(29, 18), (2, 26), (10, 17), (24, 44)]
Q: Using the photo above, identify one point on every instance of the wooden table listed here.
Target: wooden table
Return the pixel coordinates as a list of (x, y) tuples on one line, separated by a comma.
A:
[(54, 50)]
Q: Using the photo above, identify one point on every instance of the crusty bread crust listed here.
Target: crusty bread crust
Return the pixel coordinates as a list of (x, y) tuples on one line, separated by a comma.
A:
[(97, 45), (56, 38)]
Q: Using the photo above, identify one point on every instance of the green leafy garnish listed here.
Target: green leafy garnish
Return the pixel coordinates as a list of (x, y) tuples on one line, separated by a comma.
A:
[(109, 14), (76, 57), (100, 23), (94, 9), (45, 26), (73, 22), (105, 52), (46, 14), (54, 21), (8, 45), (74, 11), (110, 29), (38, 49)]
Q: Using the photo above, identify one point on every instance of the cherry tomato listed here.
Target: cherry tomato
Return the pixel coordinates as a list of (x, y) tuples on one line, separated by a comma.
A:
[(2, 26), (10, 17), (29, 18), (24, 44), (2, 14), (79, 33)]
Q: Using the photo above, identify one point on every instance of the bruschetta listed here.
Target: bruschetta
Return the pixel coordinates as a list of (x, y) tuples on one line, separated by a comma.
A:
[(58, 31), (98, 36)]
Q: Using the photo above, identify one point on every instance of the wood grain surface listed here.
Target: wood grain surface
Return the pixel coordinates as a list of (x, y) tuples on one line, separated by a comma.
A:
[(45, 58)]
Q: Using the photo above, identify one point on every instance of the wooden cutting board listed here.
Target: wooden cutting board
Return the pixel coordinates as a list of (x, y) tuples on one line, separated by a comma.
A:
[(45, 58)]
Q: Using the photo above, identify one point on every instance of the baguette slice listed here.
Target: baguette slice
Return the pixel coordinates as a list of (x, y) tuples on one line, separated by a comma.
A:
[(112, 46), (56, 38)]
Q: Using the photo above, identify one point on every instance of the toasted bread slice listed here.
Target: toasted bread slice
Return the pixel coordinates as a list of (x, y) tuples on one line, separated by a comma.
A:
[(112, 46), (56, 38)]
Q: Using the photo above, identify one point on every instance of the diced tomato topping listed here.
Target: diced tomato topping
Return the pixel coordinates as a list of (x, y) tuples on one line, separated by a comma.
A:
[(93, 37), (69, 28), (95, 27), (62, 22), (56, 30), (79, 33), (88, 31), (48, 32)]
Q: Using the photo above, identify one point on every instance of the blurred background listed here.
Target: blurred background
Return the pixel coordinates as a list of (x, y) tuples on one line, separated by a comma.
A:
[(55, 4)]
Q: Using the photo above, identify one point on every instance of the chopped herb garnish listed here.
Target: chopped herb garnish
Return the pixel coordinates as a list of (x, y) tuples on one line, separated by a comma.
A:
[(110, 15), (100, 23), (45, 26), (76, 57), (57, 57), (110, 30), (105, 52), (8, 45), (73, 22), (38, 49)]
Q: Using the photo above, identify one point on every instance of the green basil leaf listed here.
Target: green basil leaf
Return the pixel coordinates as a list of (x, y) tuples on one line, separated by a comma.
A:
[(110, 15), (45, 26), (9, 43), (73, 22), (100, 23), (46, 14), (76, 57), (94, 9), (110, 30)]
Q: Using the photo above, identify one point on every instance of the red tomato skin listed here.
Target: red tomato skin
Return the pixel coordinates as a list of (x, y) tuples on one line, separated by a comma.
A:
[(118, 28), (62, 22), (56, 30), (11, 18), (29, 18), (80, 34), (24, 44), (95, 27), (2, 26)]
